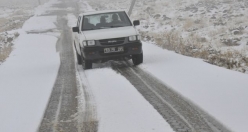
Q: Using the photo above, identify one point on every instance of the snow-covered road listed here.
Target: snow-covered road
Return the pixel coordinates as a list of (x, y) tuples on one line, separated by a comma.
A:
[(120, 107), (26, 81), (168, 92), (220, 92)]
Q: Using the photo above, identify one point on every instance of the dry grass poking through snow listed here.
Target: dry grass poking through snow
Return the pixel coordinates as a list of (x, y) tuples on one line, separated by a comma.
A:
[(6, 43), (194, 46), (5, 52), (5, 49), (13, 19), (12, 23), (3, 21)]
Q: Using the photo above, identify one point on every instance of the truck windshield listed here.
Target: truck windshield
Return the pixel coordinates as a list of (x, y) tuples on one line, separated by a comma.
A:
[(105, 20)]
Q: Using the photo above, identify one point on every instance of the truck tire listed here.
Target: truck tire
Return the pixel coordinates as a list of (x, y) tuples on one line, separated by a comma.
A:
[(79, 60), (87, 64), (137, 59)]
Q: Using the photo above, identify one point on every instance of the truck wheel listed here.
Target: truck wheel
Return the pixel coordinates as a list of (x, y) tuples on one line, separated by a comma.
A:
[(87, 64), (137, 59), (79, 60)]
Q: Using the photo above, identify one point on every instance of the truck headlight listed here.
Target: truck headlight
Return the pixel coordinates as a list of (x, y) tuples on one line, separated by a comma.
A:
[(133, 38), (89, 43)]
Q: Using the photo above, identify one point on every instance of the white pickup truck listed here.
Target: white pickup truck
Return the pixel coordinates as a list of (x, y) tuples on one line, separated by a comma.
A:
[(106, 35)]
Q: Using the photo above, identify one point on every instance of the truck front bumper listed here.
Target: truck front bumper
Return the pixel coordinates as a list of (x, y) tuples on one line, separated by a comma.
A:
[(96, 53)]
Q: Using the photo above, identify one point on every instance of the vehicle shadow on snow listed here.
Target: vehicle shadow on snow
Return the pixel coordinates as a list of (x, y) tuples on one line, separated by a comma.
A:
[(112, 64)]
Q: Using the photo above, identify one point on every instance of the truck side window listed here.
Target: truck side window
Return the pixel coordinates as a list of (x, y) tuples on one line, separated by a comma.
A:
[(87, 25)]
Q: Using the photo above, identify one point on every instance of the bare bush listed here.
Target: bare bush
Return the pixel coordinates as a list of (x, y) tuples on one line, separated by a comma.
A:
[(3, 21), (5, 52), (6, 43), (2, 39), (189, 23), (231, 60)]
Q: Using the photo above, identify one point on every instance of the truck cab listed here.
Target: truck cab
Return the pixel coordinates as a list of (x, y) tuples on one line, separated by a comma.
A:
[(106, 35)]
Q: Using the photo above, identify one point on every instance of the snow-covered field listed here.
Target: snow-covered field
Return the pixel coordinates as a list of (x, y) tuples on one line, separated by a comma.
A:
[(27, 76)]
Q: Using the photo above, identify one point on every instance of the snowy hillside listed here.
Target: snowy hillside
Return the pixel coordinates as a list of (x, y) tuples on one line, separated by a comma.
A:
[(214, 30)]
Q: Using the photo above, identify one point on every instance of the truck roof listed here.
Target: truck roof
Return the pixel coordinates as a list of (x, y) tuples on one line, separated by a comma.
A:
[(99, 12)]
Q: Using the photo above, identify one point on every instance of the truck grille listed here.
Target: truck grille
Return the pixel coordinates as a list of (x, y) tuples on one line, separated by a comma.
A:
[(112, 41)]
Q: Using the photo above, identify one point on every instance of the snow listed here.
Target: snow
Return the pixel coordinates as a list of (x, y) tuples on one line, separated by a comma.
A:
[(120, 106), (220, 92), (19, 3), (42, 9), (27, 78), (41, 23), (28, 75), (72, 20), (88, 7)]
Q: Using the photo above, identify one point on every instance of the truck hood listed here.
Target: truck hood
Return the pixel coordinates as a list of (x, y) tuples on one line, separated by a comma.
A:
[(110, 33)]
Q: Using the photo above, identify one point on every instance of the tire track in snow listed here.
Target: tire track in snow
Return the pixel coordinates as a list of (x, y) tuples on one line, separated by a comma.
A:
[(70, 108), (180, 113), (87, 114), (61, 111)]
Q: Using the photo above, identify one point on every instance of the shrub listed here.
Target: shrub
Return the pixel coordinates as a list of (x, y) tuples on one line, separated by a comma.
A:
[(4, 52)]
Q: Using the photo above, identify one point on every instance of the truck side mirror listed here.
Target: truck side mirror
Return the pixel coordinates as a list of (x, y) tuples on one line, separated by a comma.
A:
[(136, 22), (75, 29)]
